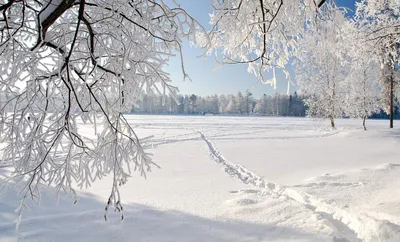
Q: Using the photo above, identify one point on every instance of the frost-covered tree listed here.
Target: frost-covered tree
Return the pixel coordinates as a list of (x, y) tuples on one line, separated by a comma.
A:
[(261, 106), (249, 102), (213, 104), (186, 105), (323, 65), (240, 103), (363, 92), (362, 97), (193, 103), (379, 21), (231, 107), (298, 105), (67, 61), (222, 104)]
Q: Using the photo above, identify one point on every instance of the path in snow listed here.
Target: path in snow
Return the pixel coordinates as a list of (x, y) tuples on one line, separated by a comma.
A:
[(365, 227)]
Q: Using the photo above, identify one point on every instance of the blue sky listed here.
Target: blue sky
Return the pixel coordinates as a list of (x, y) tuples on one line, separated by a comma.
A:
[(227, 80)]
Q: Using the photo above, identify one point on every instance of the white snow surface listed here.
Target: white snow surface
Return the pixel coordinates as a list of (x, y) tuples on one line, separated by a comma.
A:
[(235, 179)]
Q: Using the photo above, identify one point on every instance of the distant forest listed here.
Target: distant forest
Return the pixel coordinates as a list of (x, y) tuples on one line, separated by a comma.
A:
[(245, 104)]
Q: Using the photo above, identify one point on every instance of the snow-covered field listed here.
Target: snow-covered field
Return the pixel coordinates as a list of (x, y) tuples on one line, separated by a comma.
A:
[(236, 179)]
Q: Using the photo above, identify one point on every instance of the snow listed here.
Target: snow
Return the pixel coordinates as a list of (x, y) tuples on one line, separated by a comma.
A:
[(235, 179)]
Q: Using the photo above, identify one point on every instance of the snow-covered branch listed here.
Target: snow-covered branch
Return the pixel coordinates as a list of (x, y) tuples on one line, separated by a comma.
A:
[(66, 62)]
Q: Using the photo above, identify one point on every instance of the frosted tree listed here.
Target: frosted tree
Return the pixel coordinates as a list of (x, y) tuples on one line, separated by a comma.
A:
[(240, 103), (193, 103), (261, 106), (249, 102), (323, 65), (298, 105), (379, 20), (231, 107), (363, 82), (222, 104), (213, 102), (186, 105), (63, 62)]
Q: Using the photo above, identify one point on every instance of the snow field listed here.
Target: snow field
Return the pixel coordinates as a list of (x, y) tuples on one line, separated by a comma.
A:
[(236, 179)]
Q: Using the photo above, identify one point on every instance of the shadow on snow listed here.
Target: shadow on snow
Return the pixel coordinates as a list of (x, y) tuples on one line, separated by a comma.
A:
[(84, 221)]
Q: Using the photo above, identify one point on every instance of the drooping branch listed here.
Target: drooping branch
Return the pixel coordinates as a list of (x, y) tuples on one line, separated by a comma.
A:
[(91, 60)]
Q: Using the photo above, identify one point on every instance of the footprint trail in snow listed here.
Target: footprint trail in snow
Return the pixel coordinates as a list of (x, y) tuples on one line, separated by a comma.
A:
[(351, 226)]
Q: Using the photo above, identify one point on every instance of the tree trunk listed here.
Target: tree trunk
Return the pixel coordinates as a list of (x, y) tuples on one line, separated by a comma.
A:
[(365, 127), (247, 104), (364, 100), (332, 122), (391, 101)]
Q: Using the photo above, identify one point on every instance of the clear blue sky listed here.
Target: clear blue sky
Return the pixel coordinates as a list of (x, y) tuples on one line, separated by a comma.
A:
[(227, 80)]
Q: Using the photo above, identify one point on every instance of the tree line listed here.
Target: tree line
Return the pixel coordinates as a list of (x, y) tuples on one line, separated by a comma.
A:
[(277, 104), (269, 105)]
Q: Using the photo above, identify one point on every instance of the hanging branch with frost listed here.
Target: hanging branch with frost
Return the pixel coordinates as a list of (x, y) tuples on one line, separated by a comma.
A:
[(260, 33), (380, 24), (64, 62)]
